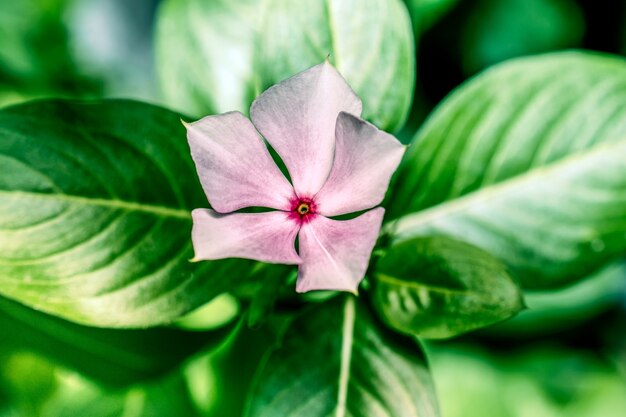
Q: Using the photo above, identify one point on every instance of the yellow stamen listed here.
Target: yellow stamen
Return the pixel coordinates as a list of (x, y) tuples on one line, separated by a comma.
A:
[(303, 208)]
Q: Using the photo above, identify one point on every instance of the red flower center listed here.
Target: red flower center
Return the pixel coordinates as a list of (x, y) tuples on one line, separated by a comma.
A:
[(302, 208)]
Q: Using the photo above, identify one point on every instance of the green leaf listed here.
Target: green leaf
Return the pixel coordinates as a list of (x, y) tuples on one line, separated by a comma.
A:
[(216, 57), (336, 360), (437, 287), (498, 30), (370, 42), (204, 54), (219, 381), (551, 312), (112, 356), (95, 222), (37, 58), (527, 162), (425, 13), (547, 378), (27, 380)]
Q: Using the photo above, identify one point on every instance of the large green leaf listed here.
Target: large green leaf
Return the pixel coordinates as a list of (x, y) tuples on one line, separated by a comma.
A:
[(205, 53), (337, 360), (437, 287), (95, 221), (217, 56), (113, 356), (370, 42), (527, 162)]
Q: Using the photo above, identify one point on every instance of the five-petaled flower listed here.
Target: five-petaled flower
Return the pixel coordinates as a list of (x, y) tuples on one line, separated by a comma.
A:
[(338, 164)]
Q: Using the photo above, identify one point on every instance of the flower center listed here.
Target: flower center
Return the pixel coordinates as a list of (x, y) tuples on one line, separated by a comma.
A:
[(303, 208)]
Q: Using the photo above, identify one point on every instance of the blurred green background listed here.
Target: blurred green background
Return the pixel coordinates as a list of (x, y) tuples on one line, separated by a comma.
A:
[(564, 356)]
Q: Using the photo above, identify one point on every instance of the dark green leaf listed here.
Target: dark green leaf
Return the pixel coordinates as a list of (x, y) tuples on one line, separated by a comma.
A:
[(336, 360), (113, 356), (27, 380), (498, 30), (205, 54), (370, 42), (425, 13), (36, 57), (437, 287), (165, 397), (95, 221), (527, 162)]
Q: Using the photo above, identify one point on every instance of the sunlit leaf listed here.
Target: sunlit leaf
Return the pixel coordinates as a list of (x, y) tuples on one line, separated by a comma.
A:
[(337, 360), (95, 222), (527, 162), (439, 287), (370, 42), (205, 53)]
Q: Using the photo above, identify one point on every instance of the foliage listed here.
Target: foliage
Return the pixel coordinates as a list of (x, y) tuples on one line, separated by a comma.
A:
[(510, 200)]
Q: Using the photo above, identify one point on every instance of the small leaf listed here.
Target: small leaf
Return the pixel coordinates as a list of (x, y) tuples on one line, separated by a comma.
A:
[(370, 42), (336, 360), (112, 356), (438, 287), (527, 162), (204, 53), (95, 222)]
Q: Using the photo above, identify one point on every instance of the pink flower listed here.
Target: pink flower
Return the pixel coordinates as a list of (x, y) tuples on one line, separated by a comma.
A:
[(338, 164)]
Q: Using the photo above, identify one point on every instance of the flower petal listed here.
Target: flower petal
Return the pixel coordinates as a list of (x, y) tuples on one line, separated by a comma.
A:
[(335, 253), (266, 237), (297, 117), (365, 159), (234, 165)]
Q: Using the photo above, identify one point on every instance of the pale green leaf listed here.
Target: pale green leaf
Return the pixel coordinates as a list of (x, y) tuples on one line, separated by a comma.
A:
[(370, 42), (527, 162), (205, 53), (95, 222)]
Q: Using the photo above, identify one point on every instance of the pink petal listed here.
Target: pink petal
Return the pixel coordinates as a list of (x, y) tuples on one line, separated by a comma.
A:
[(266, 237), (234, 165), (335, 253), (365, 159), (297, 117)]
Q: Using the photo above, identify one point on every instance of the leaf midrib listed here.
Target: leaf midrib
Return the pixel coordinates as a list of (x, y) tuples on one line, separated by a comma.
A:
[(159, 211), (415, 220), (347, 337), (401, 282)]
